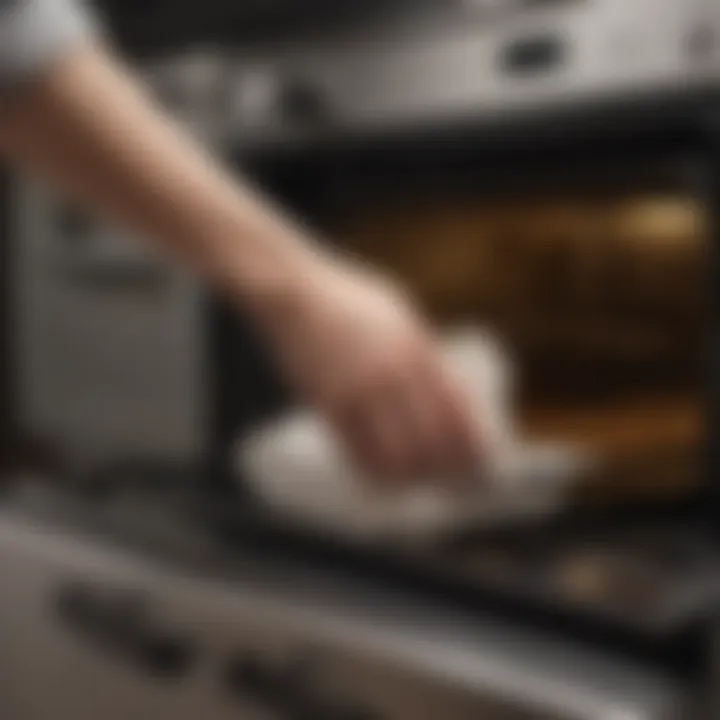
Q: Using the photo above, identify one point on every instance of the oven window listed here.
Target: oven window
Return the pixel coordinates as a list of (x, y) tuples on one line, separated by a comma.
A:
[(601, 300)]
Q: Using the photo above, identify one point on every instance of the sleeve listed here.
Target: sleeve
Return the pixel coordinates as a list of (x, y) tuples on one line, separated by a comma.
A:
[(34, 33)]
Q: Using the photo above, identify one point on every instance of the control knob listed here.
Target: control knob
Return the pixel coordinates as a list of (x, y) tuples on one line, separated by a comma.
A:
[(302, 103)]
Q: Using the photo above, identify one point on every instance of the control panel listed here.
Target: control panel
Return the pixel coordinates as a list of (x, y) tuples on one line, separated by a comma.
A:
[(534, 55)]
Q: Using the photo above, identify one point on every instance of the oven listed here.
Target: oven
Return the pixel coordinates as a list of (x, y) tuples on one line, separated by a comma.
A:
[(587, 243), (553, 174), (580, 225), (439, 150)]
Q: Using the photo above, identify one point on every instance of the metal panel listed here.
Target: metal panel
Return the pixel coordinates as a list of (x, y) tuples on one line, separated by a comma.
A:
[(355, 649), (109, 345), (606, 48)]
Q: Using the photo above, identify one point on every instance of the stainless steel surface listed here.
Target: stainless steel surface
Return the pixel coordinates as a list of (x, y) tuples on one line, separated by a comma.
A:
[(362, 651), (409, 75), (111, 337), (109, 352)]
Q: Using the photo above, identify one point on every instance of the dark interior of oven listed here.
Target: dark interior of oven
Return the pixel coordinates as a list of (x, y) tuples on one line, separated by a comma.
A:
[(593, 271), (593, 265), (599, 290), (599, 298)]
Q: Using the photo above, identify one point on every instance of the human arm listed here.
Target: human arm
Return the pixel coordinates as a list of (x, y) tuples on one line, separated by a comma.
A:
[(348, 340)]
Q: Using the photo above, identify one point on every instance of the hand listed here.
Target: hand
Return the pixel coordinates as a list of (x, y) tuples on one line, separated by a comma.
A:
[(354, 348)]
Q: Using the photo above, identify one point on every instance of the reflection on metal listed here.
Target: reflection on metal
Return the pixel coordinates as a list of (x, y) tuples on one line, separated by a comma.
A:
[(371, 651)]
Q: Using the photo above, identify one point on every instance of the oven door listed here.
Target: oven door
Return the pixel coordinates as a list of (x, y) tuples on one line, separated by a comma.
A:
[(589, 257), (590, 253)]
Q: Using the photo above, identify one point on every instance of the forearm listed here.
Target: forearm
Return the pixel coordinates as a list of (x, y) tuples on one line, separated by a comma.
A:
[(347, 340), (88, 128)]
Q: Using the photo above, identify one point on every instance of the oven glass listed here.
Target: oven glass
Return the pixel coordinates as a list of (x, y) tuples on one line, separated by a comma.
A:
[(600, 300)]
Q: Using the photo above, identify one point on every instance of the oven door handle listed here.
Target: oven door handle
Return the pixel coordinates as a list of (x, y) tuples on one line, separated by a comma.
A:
[(118, 624)]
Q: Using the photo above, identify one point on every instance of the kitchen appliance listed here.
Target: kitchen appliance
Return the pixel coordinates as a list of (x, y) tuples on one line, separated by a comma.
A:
[(554, 172), (139, 608), (587, 244), (101, 323)]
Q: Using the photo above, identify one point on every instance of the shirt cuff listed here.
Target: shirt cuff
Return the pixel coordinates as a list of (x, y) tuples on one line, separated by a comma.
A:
[(35, 33)]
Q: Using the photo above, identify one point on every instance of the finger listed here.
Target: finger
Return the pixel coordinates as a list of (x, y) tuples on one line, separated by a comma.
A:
[(413, 424), (372, 436), (416, 410), (459, 447), (423, 421), (390, 438)]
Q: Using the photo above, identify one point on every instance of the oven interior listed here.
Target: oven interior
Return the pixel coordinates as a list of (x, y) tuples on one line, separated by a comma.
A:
[(594, 267), (598, 297)]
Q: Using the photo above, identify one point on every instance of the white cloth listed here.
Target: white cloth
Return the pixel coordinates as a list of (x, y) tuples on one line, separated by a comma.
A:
[(299, 470)]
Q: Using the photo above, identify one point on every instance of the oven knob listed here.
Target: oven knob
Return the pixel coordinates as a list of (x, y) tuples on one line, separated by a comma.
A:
[(303, 103), (248, 675), (165, 657), (118, 625), (702, 43)]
